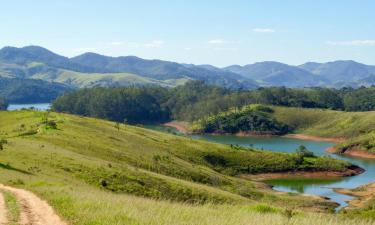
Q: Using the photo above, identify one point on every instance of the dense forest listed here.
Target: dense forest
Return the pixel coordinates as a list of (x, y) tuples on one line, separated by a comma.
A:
[(30, 90), (196, 100), (251, 119)]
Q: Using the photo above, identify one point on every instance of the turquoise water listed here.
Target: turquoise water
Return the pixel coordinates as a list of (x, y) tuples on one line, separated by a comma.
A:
[(321, 187), (314, 186), (37, 106)]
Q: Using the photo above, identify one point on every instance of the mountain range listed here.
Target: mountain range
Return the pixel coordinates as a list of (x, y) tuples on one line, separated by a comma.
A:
[(91, 70)]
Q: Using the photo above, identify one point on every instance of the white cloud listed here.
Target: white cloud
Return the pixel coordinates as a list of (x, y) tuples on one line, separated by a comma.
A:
[(217, 42), (264, 30), (352, 43), (187, 49), (154, 44)]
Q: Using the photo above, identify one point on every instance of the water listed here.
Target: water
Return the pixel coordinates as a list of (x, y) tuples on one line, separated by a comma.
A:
[(37, 106), (315, 186)]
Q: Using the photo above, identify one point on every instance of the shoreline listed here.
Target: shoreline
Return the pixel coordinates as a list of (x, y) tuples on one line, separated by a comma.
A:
[(351, 152), (362, 194), (355, 170), (183, 127), (338, 140)]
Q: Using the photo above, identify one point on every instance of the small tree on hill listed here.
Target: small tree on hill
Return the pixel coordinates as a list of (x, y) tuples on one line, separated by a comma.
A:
[(302, 151), (2, 143)]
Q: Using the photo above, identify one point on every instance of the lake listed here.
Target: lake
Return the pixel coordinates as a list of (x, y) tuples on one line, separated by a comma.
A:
[(37, 106), (315, 186)]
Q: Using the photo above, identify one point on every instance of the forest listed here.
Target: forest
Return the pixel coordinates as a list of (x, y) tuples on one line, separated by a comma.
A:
[(196, 100)]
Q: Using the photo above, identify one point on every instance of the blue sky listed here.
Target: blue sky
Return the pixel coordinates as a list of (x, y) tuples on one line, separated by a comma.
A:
[(201, 32)]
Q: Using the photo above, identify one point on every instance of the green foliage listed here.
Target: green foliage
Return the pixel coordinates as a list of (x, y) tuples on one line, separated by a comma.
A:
[(128, 105), (263, 208), (255, 119), (3, 142), (302, 151), (195, 100), (29, 91)]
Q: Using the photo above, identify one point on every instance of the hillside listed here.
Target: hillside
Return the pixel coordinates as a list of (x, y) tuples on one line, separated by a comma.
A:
[(92, 69), (355, 130), (91, 171), (278, 74), (358, 128)]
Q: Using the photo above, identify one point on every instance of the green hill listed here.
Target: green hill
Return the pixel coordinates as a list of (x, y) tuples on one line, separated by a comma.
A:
[(358, 128), (98, 172)]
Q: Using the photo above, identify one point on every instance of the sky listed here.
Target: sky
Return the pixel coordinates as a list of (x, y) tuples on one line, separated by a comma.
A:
[(217, 32)]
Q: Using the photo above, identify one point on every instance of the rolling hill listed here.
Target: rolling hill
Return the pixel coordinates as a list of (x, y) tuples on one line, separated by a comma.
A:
[(94, 172), (96, 70)]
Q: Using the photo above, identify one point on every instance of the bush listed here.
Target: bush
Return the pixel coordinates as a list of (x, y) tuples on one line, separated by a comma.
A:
[(2, 143), (263, 208), (303, 152)]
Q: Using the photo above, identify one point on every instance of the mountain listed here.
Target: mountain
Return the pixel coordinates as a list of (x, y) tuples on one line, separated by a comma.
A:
[(278, 74), (93, 70), (30, 54), (348, 72), (164, 70)]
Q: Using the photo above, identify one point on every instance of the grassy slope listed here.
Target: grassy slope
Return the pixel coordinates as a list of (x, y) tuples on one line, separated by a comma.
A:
[(357, 127), (87, 168), (86, 80)]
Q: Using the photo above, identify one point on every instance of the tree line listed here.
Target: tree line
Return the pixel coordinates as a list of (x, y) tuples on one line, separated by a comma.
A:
[(195, 100)]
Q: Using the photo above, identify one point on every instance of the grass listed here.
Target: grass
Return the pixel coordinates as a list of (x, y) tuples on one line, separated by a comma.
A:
[(357, 127), (86, 80), (93, 173), (12, 206)]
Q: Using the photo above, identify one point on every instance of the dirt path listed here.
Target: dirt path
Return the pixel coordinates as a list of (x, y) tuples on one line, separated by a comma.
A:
[(34, 211), (3, 211)]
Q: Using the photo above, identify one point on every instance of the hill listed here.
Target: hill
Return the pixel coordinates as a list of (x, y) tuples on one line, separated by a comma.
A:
[(98, 172), (343, 73), (93, 69), (278, 74), (333, 124)]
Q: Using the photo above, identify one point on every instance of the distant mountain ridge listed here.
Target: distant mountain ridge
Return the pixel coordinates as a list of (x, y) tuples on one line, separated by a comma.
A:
[(92, 69)]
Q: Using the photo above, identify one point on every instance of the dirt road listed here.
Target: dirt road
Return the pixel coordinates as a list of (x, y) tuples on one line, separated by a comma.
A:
[(34, 211)]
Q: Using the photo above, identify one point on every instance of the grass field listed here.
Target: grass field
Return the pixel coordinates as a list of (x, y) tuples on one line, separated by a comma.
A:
[(358, 128), (93, 172)]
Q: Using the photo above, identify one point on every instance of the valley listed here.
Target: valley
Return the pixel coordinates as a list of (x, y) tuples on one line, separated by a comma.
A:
[(50, 160)]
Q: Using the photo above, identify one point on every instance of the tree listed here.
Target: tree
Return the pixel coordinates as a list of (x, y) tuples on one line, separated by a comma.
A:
[(302, 152), (2, 143)]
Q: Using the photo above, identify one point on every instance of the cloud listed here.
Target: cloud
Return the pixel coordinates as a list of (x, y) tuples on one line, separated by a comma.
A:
[(352, 43), (217, 42), (264, 30), (154, 44), (187, 49)]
